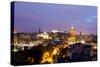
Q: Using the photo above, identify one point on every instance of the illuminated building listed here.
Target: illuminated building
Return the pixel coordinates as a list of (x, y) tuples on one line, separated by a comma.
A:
[(44, 35), (15, 37), (55, 31), (80, 39), (72, 37)]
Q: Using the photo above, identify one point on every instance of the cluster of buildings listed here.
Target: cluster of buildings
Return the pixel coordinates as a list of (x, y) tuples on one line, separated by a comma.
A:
[(56, 46), (53, 36)]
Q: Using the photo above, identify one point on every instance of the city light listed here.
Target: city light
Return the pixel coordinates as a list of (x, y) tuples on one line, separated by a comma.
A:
[(58, 34), (15, 50), (54, 31), (47, 58), (82, 41), (44, 35), (55, 46), (55, 51)]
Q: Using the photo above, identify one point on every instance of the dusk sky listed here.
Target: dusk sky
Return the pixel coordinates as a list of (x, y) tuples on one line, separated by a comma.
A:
[(30, 16)]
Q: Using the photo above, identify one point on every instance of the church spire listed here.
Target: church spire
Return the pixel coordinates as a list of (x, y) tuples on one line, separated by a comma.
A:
[(39, 30), (14, 31)]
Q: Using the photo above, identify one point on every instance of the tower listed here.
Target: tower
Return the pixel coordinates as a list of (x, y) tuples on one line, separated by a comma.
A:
[(14, 31), (39, 30), (15, 37), (72, 37), (72, 31), (80, 35)]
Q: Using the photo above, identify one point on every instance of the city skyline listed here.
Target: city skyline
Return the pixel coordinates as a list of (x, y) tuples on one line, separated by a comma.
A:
[(30, 16), (45, 33)]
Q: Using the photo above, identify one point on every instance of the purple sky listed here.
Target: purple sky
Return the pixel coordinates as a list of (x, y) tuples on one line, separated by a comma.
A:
[(30, 16)]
